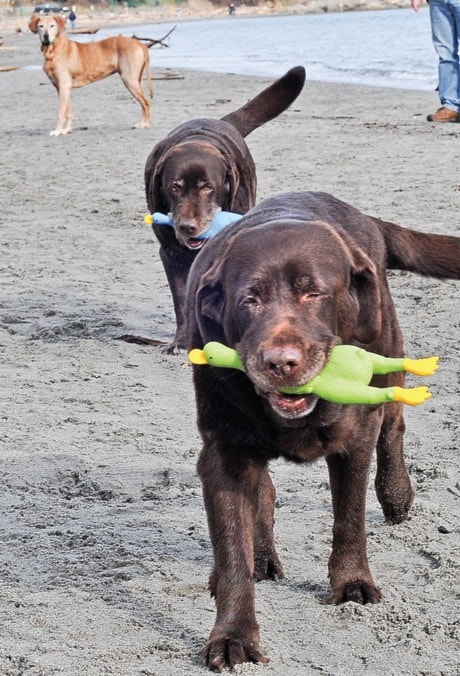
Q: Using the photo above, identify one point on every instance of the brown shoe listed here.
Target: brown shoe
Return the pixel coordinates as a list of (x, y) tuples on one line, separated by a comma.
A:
[(444, 115)]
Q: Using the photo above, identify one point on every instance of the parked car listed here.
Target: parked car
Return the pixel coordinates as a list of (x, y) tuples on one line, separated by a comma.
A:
[(45, 8)]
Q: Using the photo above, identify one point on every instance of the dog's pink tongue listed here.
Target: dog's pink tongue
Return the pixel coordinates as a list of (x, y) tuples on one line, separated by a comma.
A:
[(195, 243), (291, 404)]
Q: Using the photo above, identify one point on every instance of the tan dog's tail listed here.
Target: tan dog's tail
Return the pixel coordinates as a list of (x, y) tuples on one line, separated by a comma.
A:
[(146, 68), (148, 74), (423, 253), (270, 103)]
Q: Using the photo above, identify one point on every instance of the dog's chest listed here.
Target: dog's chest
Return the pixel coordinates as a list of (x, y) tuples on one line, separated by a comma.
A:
[(303, 445), (50, 70), (332, 433)]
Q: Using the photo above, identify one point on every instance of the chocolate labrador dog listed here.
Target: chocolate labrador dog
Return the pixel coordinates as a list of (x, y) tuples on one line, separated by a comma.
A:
[(204, 166), (299, 274)]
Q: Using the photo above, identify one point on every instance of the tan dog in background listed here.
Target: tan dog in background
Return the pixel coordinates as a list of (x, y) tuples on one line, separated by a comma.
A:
[(71, 64)]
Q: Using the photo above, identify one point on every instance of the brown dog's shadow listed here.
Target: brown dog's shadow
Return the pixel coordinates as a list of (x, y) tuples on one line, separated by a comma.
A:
[(317, 590)]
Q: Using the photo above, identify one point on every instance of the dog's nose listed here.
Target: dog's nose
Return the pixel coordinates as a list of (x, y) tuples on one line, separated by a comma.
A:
[(188, 229), (282, 362)]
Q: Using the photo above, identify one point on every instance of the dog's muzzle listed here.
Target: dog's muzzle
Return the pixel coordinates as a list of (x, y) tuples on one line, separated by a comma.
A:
[(291, 407)]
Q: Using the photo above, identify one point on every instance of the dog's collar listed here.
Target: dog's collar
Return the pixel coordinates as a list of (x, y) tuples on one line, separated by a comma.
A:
[(218, 223)]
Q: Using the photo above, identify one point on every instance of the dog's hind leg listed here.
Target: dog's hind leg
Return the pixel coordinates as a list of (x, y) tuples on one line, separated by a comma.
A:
[(267, 565), (134, 86), (392, 483)]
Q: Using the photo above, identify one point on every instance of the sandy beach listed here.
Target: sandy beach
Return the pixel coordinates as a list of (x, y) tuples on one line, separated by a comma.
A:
[(105, 552)]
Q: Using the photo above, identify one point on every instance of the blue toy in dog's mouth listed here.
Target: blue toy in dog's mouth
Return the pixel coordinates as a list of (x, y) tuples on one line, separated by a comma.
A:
[(218, 223)]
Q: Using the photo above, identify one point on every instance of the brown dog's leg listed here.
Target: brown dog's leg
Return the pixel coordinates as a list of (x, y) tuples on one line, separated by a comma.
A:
[(230, 490), (176, 268), (392, 483), (267, 565), (349, 573)]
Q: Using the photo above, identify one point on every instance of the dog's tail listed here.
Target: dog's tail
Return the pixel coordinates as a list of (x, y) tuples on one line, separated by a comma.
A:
[(148, 72), (423, 253), (270, 103)]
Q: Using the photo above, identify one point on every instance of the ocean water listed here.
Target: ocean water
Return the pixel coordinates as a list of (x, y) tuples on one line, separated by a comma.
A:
[(389, 48)]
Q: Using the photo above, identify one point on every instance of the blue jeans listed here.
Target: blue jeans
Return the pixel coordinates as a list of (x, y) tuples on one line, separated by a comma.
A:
[(445, 28)]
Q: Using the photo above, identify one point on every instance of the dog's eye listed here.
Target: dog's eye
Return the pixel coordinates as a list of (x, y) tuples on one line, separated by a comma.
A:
[(206, 188), (306, 289), (308, 296), (249, 303), (174, 188)]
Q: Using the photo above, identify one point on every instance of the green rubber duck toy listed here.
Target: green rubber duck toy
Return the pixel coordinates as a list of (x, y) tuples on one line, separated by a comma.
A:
[(346, 376)]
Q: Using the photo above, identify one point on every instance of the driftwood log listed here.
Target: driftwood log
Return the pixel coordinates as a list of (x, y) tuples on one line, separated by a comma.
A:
[(168, 76), (150, 42), (83, 31)]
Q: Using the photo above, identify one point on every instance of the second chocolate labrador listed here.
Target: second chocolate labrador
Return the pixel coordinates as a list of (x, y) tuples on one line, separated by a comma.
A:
[(204, 166)]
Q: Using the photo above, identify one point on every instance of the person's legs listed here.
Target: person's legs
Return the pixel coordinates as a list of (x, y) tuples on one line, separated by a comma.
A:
[(445, 25)]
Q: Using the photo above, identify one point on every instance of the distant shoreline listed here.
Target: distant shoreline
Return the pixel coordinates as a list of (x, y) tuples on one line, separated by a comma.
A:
[(198, 9)]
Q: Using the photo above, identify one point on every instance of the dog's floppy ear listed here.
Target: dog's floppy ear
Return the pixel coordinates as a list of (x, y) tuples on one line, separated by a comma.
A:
[(33, 23), (242, 186), (210, 305), (233, 180), (153, 178), (364, 288), (61, 22)]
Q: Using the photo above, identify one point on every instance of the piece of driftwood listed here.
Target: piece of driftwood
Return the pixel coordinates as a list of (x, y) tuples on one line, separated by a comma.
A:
[(168, 76), (140, 340), (4, 69), (83, 31), (151, 42)]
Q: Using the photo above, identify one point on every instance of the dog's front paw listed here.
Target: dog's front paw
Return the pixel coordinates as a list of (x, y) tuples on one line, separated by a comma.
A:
[(396, 507), (225, 652), (173, 348), (177, 346), (268, 567), (60, 132), (358, 591)]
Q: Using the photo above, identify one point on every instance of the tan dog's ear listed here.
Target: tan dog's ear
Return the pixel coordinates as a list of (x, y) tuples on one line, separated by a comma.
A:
[(61, 22), (33, 23), (365, 289)]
